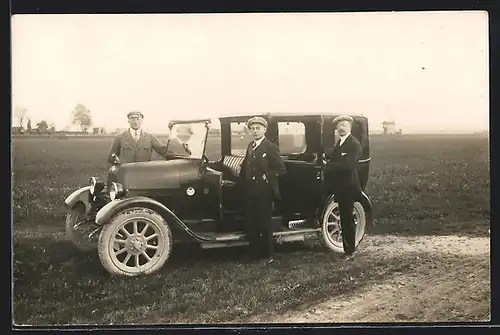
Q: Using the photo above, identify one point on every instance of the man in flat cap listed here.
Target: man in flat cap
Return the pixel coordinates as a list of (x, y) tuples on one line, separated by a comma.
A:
[(179, 145), (260, 172), (341, 179), (135, 145)]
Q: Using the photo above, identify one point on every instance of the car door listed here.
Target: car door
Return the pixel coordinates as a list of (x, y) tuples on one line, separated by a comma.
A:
[(301, 187)]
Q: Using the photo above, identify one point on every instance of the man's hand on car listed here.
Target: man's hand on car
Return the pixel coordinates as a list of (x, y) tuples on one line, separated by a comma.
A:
[(115, 159)]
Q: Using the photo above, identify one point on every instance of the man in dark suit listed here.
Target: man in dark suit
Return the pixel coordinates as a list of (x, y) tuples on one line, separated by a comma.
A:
[(342, 179), (135, 145), (260, 172), (178, 145)]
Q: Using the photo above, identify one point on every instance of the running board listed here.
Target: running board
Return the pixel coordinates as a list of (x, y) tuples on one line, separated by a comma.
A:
[(213, 245), (238, 239)]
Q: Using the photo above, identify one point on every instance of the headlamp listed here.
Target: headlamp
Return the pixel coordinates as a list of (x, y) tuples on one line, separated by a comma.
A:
[(116, 191), (95, 186)]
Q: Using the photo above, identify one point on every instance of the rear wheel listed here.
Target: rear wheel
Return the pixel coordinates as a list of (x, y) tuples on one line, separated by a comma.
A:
[(78, 229), (330, 235), (136, 241)]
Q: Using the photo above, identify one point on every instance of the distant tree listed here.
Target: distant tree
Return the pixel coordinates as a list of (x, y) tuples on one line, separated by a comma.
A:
[(20, 113), (28, 126), (82, 117), (42, 126), (52, 127)]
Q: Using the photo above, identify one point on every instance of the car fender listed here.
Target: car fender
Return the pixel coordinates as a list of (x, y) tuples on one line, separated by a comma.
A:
[(80, 195), (365, 201), (115, 206), (367, 205)]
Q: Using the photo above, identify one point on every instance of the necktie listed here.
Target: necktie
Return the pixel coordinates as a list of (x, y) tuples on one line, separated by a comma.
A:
[(136, 136), (254, 144), (187, 149)]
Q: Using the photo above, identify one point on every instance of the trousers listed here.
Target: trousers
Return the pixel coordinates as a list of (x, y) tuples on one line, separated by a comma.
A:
[(346, 204), (258, 215)]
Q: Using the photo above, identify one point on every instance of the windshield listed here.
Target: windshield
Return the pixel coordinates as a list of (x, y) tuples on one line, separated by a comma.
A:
[(187, 139)]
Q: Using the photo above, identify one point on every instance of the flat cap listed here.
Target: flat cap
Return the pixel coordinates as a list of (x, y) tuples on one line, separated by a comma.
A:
[(135, 113), (342, 118), (185, 128), (257, 119)]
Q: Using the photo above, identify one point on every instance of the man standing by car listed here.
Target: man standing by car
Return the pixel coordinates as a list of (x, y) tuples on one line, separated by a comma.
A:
[(180, 143), (341, 179), (260, 172), (135, 145)]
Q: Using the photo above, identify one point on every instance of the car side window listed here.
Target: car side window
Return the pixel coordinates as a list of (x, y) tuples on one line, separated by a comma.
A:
[(292, 138), (240, 137), (212, 150), (359, 130)]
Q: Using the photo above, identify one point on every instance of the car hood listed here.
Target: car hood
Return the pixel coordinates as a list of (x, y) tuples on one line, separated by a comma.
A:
[(155, 175)]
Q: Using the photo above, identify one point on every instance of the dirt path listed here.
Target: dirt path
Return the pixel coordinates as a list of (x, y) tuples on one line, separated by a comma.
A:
[(432, 292)]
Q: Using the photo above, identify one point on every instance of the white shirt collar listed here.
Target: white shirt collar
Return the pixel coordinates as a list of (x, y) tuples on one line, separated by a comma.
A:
[(132, 132), (343, 138), (259, 141)]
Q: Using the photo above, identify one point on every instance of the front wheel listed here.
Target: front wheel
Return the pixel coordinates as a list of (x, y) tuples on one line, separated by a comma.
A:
[(330, 235), (135, 241), (78, 228)]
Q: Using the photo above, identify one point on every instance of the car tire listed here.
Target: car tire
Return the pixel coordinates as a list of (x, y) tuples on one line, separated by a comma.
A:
[(148, 243), (332, 238), (77, 236)]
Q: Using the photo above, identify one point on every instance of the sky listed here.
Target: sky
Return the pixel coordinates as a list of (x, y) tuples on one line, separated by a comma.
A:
[(427, 71)]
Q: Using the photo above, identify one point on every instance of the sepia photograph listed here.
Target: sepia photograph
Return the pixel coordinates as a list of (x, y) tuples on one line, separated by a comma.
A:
[(250, 168)]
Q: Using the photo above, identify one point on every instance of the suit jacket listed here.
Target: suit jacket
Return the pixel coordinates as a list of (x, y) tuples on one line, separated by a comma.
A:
[(264, 160), (175, 147), (129, 150), (341, 170)]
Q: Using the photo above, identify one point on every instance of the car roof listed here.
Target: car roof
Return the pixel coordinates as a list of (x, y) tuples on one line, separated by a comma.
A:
[(249, 115), (280, 114)]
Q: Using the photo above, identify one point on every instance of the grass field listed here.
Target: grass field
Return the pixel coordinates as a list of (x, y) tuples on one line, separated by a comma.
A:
[(420, 185)]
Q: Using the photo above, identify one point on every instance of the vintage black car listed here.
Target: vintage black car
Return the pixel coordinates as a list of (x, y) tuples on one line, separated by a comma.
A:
[(134, 217)]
